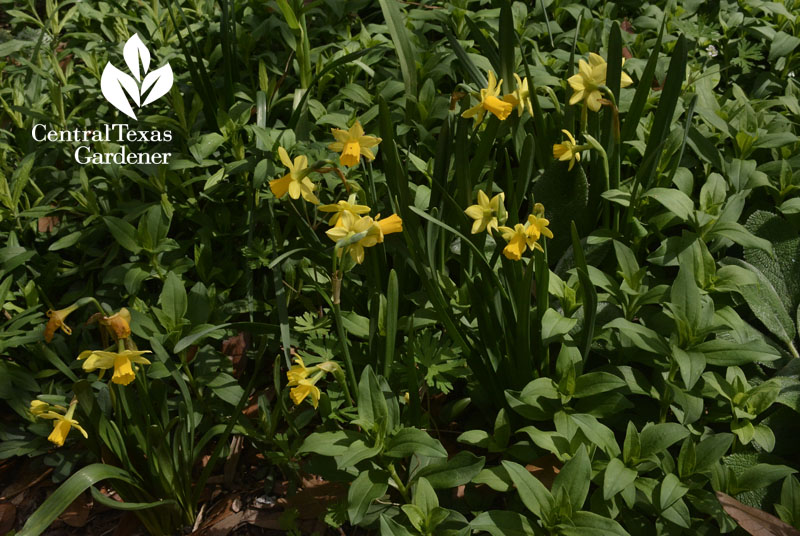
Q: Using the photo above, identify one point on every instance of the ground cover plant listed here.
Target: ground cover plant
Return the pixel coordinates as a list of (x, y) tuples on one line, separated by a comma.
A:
[(409, 268)]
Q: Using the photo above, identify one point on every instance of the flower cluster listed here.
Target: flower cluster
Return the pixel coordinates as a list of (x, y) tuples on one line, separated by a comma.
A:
[(352, 144), (523, 237), (116, 327), (359, 231)]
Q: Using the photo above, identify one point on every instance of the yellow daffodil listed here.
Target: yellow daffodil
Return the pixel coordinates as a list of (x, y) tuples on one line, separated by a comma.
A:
[(56, 320), (392, 224), (344, 206), (537, 226), (490, 102), (297, 372), (520, 97), (567, 150), (121, 362), (304, 384), (353, 144), (518, 241), (350, 224), (296, 182), (303, 389), (488, 213), (586, 84), (39, 407), (62, 425), (118, 324), (523, 237)]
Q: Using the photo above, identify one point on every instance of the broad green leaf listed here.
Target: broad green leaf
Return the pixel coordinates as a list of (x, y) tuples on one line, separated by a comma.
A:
[(591, 524), (367, 487), (727, 353), (409, 441), (460, 469), (173, 298), (574, 479), (504, 523), (123, 232), (616, 478), (534, 495), (673, 200), (594, 383), (658, 437)]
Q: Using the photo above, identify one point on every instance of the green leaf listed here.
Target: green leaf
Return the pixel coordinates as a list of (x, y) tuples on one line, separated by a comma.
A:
[(328, 443), (782, 45), (458, 470), (372, 409), (673, 200), (555, 325), (128, 506), (67, 492), (726, 353), (737, 233), (504, 523), (591, 524), (594, 383), (173, 299), (368, 486), (658, 437), (574, 479), (596, 432), (390, 527), (402, 45), (123, 232), (534, 495), (425, 497), (616, 478), (670, 490), (641, 336), (409, 441), (762, 475), (711, 449), (226, 387)]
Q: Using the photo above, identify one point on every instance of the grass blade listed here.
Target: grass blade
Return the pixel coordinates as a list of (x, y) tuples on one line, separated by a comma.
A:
[(405, 50)]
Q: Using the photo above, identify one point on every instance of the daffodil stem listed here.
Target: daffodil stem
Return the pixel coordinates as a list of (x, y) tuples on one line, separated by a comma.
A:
[(348, 362), (400, 486), (616, 154), (336, 284)]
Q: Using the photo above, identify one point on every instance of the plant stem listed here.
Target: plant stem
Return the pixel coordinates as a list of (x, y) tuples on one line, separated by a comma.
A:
[(400, 486)]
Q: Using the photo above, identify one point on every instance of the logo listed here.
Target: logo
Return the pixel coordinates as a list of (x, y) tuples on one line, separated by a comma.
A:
[(143, 87)]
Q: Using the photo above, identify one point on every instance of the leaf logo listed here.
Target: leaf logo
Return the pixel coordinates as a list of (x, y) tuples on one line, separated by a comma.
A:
[(115, 84)]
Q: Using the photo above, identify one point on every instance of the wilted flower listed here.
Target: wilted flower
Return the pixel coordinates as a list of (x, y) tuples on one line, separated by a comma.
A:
[(56, 320)]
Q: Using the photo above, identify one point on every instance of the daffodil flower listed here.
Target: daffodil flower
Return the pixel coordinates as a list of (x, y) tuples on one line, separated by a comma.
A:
[(392, 224), (303, 386), (297, 372), (591, 76), (374, 231), (303, 389), (353, 144), (523, 237), (537, 227), (488, 213), (118, 324), (490, 102), (518, 241), (296, 182), (56, 320), (343, 206), (520, 97), (567, 150), (39, 407), (121, 362), (62, 424)]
